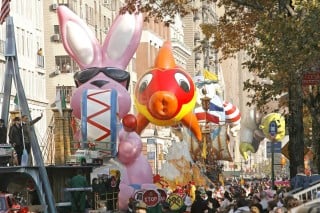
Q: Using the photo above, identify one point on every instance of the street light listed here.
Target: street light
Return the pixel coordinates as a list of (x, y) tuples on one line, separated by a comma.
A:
[(272, 131), (153, 141), (155, 134)]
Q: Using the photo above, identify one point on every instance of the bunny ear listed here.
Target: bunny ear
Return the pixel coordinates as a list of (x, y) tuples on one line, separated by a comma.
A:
[(122, 40), (78, 39)]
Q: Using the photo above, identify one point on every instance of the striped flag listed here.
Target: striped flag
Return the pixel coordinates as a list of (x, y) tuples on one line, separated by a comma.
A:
[(5, 10)]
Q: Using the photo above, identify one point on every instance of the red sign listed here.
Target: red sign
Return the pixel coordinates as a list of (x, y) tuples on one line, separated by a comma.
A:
[(150, 198), (311, 78), (163, 195)]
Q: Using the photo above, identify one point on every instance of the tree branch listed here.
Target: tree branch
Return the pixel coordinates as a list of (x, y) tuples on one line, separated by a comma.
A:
[(255, 5), (290, 10)]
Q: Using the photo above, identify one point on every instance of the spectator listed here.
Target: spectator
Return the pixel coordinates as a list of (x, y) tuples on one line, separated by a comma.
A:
[(300, 180), (256, 208), (112, 192), (256, 199), (280, 210), (26, 131), (213, 203), (15, 137), (188, 203), (199, 205), (140, 207), (272, 204), (315, 176), (242, 206), (264, 201), (3, 132), (102, 187), (291, 202), (226, 201), (78, 198), (95, 192), (40, 52)]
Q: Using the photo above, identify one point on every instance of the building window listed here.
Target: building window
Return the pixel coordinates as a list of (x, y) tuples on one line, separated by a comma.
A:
[(40, 61), (65, 64), (56, 29), (63, 2), (66, 92)]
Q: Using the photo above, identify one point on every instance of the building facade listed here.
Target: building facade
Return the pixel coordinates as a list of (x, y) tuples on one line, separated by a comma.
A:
[(29, 37), (45, 67)]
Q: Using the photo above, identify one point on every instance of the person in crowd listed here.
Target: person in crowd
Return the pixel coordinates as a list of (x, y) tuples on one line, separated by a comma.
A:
[(226, 201), (242, 206), (280, 210), (272, 204), (112, 192), (165, 207), (315, 176), (95, 192), (199, 205), (40, 52), (300, 180), (78, 197), (3, 132), (213, 203), (256, 199), (15, 137), (291, 202), (256, 208), (264, 201), (26, 131), (102, 187), (187, 203), (140, 207)]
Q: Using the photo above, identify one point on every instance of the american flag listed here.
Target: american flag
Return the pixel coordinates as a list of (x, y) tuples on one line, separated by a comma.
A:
[(5, 10)]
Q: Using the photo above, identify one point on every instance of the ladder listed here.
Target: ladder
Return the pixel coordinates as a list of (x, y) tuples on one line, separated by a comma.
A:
[(12, 72)]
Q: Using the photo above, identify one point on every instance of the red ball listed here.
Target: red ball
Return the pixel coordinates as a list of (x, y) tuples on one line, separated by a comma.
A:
[(24, 210), (129, 122)]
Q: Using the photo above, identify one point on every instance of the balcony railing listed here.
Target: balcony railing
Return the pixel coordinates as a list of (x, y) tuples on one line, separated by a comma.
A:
[(66, 91), (40, 61)]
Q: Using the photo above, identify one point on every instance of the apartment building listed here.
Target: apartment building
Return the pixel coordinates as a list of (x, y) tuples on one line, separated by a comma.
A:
[(44, 72), (29, 38)]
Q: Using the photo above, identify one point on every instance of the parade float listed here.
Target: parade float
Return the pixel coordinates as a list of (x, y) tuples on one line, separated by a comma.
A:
[(101, 100), (165, 96)]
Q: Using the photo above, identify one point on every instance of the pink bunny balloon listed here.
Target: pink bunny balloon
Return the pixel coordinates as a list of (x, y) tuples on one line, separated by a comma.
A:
[(103, 68)]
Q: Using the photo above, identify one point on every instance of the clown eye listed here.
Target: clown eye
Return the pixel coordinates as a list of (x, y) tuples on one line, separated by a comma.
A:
[(144, 82), (182, 81)]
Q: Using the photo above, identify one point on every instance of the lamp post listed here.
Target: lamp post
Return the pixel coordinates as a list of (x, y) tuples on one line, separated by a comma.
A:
[(153, 141), (155, 134), (272, 131)]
